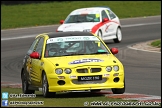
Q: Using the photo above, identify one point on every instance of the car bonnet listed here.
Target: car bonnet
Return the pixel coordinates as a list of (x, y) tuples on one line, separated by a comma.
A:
[(74, 61), (77, 26)]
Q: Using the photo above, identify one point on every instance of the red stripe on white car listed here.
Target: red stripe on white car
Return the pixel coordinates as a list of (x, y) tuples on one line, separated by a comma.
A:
[(97, 26)]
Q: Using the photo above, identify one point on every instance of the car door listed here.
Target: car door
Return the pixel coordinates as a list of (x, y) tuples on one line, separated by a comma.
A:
[(114, 22), (27, 61), (36, 63), (106, 28)]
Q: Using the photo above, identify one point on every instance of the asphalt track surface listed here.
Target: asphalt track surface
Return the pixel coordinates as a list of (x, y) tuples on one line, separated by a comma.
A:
[(142, 69)]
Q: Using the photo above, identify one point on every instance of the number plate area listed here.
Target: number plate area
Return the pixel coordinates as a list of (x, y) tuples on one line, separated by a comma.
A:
[(90, 78)]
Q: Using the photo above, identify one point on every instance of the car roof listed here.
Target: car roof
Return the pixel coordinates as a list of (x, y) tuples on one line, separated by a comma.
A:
[(104, 7), (64, 34), (89, 9), (95, 8)]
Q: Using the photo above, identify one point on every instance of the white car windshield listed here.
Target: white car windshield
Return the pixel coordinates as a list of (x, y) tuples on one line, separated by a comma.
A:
[(74, 45), (79, 18)]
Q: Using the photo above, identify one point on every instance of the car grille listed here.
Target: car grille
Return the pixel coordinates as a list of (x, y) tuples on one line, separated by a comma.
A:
[(85, 70), (95, 70), (75, 81)]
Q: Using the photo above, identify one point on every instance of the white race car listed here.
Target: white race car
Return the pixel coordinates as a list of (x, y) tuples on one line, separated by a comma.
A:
[(101, 21)]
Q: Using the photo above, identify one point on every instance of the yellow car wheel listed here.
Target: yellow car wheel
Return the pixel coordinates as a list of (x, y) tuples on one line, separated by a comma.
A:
[(25, 84), (97, 90), (45, 86)]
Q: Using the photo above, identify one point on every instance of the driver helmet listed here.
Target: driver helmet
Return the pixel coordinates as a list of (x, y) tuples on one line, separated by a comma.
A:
[(53, 48)]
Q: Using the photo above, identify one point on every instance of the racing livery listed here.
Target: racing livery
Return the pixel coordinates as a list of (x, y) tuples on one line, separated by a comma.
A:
[(70, 61), (101, 21)]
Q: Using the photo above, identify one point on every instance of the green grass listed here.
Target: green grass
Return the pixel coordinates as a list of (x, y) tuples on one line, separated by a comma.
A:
[(51, 13), (156, 43), (61, 99)]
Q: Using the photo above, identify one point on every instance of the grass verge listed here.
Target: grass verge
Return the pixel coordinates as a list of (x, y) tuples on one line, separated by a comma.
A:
[(52, 12), (156, 43)]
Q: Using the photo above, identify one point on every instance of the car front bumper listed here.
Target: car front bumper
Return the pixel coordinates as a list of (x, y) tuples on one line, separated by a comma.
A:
[(72, 84)]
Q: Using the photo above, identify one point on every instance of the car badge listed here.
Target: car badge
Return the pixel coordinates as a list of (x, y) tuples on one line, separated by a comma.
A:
[(90, 69)]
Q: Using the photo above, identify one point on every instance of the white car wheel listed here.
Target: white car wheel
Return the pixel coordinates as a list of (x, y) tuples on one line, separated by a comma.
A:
[(118, 36)]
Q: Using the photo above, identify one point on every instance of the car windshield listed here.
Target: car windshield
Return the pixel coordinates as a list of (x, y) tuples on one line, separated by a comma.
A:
[(74, 45), (79, 18)]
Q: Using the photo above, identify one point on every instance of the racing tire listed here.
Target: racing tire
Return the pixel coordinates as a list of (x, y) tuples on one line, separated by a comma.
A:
[(96, 90), (45, 89), (25, 84), (118, 90), (118, 36)]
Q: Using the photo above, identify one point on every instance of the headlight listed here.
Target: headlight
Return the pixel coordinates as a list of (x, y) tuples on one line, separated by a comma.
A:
[(108, 68), (59, 71), (67, 71), (116, 68), (87, 30), (59, 31)]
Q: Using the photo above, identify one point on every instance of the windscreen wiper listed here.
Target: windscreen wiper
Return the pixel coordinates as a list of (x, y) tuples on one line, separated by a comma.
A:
[(100, 53), (72, 54), (85, 53)]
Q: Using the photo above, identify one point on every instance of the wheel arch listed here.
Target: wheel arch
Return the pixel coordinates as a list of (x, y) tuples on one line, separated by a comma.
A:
[(119, 26), (22, 71), (99, 30), (43, 72)]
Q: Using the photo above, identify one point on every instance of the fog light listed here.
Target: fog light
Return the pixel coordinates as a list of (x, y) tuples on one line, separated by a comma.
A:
[(61, 82), (116, 79)]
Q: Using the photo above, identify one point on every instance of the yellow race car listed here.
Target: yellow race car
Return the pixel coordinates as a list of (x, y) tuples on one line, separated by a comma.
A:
[(71, 61)]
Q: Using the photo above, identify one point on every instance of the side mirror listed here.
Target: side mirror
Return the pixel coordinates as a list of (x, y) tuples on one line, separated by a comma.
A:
[(105, 20), (34, 55), (114, 50), (61, 21)]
